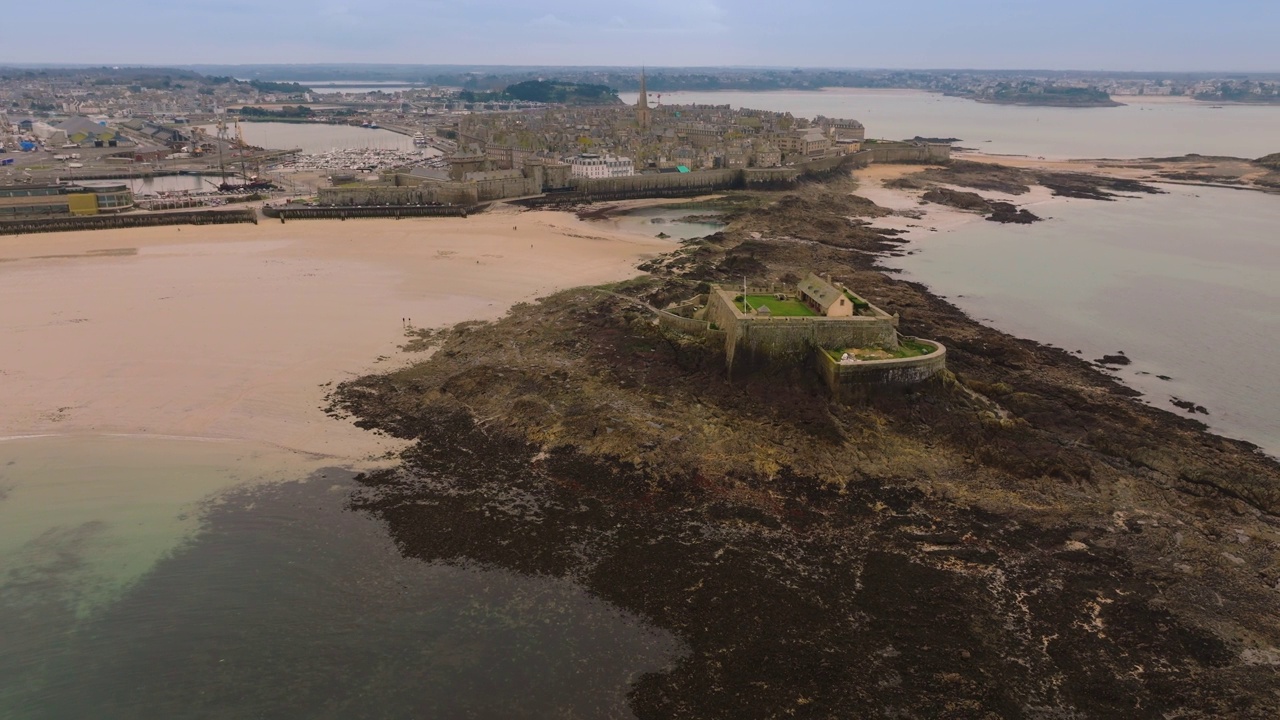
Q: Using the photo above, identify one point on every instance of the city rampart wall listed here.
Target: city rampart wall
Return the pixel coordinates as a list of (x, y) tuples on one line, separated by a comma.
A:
[(824, 166), (409, 190), (499, 188), (702, 179), (909, 152)]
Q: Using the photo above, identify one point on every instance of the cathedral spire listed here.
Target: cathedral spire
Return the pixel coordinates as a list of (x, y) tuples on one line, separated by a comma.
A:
[(642, 103)]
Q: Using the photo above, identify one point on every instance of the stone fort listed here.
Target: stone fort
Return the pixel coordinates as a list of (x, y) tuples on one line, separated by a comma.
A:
[(853, 345)]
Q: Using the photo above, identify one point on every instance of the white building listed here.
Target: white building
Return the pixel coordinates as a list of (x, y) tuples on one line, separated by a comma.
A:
[(591, 165)]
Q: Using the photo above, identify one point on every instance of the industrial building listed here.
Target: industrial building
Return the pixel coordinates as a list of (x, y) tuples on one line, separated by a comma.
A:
[(34, 201)]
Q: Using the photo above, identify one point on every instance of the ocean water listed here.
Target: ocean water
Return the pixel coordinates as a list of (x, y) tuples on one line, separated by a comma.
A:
[(1136, 130), (183, 579), (1185, 284)]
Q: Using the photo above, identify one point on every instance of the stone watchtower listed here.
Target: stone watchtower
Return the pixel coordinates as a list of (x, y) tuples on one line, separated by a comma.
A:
[(642, 104)]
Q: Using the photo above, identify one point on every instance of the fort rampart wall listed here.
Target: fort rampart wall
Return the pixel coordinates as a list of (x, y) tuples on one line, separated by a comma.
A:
[(689, 326), (758, 340), (852, 380)]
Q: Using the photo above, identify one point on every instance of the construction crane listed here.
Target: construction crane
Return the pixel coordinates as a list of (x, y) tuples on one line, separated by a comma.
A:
[(197, 141)]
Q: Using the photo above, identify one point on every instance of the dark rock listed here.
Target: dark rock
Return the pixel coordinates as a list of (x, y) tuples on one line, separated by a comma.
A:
[(1003, 212), (958, 199), (1189, 406)]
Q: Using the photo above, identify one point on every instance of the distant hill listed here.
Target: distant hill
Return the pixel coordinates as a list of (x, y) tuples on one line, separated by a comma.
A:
[(568, 93), (1027, 93), (1271, 161)]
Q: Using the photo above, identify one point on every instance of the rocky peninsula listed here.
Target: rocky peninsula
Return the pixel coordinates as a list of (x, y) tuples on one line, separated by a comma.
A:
[(1017, 539)]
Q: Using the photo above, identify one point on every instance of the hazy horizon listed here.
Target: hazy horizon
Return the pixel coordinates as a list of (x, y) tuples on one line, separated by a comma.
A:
[(652, 69), (1086, 36)]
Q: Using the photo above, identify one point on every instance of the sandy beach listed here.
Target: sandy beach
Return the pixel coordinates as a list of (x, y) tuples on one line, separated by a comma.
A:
[(234, 332)]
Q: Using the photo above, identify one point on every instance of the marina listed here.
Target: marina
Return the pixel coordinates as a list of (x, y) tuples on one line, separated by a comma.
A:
[(357, 160)]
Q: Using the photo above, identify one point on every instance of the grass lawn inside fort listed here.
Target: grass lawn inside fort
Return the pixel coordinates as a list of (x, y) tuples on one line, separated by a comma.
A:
[(777, 308)]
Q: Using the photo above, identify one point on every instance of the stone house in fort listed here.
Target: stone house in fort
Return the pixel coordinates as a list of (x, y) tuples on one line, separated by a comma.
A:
[(823, 298)]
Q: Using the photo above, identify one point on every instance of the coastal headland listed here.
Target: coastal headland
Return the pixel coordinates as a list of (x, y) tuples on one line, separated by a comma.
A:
[(1018, 538)]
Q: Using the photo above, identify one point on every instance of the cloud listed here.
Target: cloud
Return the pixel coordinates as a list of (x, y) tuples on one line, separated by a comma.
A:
[(549, 21)]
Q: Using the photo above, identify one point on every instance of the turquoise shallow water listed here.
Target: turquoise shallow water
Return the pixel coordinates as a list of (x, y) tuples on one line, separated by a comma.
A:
[(1186, 284), (651, 221), (272, 600)]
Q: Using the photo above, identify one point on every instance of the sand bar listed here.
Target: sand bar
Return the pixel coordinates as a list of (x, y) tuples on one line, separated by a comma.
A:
[(231, 332)]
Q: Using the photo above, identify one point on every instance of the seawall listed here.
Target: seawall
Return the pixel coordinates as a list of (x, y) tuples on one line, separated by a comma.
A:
[(132, 220)]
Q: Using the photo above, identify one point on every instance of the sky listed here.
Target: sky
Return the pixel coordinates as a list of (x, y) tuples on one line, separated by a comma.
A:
[(1169, 35)]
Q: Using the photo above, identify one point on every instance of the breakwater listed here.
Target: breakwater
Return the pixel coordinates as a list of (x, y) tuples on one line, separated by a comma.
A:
[(363, 211), (132, 220), (133, 174)]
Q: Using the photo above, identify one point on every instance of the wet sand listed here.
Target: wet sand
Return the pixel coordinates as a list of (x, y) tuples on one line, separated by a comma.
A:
[(233, 332)]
